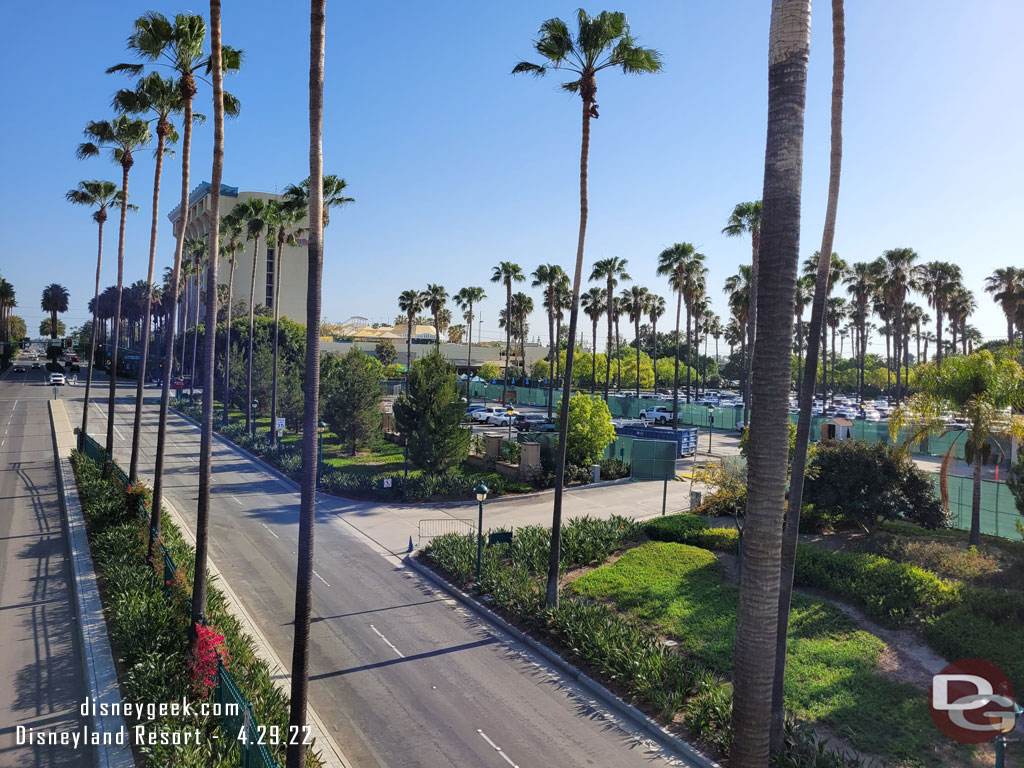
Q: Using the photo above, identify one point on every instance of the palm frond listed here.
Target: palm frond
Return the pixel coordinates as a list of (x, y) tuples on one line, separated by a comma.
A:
[(129, 69)]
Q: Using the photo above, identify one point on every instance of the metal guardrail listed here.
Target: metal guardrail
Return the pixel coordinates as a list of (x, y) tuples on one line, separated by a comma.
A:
[(254, 753), (432, 527)]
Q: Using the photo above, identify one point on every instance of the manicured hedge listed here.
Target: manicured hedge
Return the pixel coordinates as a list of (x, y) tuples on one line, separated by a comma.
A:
[(693, 530)]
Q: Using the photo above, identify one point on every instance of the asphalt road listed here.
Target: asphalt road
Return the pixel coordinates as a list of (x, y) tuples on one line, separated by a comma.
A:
[(400, 674), (41, 683)]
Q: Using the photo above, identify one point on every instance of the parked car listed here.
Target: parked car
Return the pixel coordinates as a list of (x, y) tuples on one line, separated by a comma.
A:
[(19, 369), (533, 422), (35, 365), (470, 410), (503, 418), (481, 416), (57, 379), (659, 414)]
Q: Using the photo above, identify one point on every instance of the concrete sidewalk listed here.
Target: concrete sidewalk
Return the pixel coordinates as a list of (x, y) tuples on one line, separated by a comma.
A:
[(41, 680)]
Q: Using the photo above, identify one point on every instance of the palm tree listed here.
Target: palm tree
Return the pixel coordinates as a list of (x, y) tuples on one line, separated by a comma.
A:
[(178, 45), (746, 217), (550, 277), (199, 256), (333, 195), (466, 298), (120, 136), (737, 287), (694, 291), (801, 298), (160, 97), (980, 389), (54, 300), (1006, 285), (594, 303), (836, 313), (231, 225), (188, 271), (898, 276), (506, 272), (837, 268), (434, 299), (860, 285), (282, 219), (99, 195), (610, 270), (411, 302), (254, 215), (680, 263), (778, 256), (828, 272), (655, 310), (522, 306), (938, 281), (563, 301), (600, 42), (961, 306), (296, 754), (7, 303), (636, 302), (210, 338)]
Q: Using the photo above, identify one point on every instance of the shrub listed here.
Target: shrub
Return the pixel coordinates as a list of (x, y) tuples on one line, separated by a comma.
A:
[(896, 593), (590, 430), (861, 482), (692, 530), (613, 469)]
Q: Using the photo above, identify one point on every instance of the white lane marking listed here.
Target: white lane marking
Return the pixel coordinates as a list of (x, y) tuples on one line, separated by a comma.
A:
[(191, 459), (504, 757), (392, 647), (270, 531), (236, 499), (118, 432), (321, 578), (2, 443)]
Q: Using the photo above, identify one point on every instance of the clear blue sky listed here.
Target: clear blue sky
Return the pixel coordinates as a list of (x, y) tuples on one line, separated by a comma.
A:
[(456, 165)]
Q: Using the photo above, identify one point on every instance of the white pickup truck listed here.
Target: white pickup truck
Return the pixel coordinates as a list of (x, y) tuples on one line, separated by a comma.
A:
[(659, 414)]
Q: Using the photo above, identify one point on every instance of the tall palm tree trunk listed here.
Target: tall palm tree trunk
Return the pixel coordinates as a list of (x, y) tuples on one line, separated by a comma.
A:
[(768, 435), (126, 165), (551, 351), (296, 755), (188, 91), (791, 529), (637, 329), (186, 304), (252, 313), (227, 344), (654, 335), (748, 371), (675, 374), (593, 362), (469, 354), (587, 92), (689, 352), (277, 323), (898, 349), (161, 135), (408, 345), (611, 322), (618, 357), (100, 219), (195, 339), (199, 581), (508, 337)]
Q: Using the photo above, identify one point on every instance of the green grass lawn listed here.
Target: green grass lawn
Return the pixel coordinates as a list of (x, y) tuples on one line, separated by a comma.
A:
[(832, 674), (386, 457)]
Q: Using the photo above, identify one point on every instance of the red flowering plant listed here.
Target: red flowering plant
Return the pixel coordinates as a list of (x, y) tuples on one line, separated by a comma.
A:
[(135, 493), (209, 647)]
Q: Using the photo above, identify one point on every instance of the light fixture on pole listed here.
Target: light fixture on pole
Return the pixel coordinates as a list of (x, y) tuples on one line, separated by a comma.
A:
[(510, 412), (481, 497), (711, 426), (255, 404)]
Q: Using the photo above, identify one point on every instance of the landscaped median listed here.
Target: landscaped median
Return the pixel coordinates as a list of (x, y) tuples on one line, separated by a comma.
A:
[(655, 622), (147, 613)]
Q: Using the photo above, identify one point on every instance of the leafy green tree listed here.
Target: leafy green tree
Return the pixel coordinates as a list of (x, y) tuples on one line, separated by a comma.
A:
[(979, 389), (47, 328), (540, 370), (429, 417), (863, 483), (488, 371), (394, 371), (590, 430), (350, 396), (18, 329), (385, 352)]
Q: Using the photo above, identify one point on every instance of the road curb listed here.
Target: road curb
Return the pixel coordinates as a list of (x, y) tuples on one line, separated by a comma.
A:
[(97, 658), (680, 748)]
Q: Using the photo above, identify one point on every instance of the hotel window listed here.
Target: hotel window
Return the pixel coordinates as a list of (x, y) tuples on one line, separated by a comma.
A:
[(270, 278)]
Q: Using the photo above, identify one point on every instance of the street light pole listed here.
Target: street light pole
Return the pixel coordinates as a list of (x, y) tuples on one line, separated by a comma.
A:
[(481, 496), (711, 426), (509, 413)]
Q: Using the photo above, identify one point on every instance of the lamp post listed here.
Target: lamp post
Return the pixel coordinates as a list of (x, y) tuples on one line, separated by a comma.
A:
[(481, 497), (711, 426), (320, 428), (255, 405), (510, 413)]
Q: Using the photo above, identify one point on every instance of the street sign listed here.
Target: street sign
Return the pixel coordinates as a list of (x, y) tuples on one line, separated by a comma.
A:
[(279, 425), (386, 482), (280, 433)]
